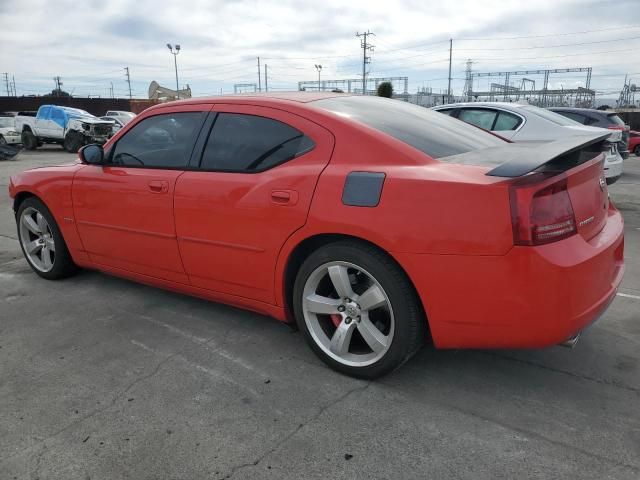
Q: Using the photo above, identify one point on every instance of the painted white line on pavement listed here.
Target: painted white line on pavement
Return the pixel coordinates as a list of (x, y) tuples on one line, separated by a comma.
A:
[(626, 295)]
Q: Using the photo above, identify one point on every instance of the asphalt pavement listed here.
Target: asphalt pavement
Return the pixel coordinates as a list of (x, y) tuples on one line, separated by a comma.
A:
[(102, 378)]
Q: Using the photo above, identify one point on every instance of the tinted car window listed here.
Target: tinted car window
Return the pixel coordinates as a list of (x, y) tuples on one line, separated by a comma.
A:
[(161, 141), (479, 117), (551, 116), (249, 143), (506, 121), (426, 130), (615, 119), (575, 117)]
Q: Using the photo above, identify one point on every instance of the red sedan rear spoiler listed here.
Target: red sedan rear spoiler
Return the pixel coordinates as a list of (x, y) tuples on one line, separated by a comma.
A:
[(517, 159)]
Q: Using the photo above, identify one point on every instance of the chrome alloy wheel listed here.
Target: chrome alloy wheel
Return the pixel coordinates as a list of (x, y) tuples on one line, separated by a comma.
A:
[(348, 313), (37, 239)]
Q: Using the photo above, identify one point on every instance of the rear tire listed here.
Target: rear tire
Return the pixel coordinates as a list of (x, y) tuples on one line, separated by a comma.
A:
[(637, 150), (73, 141), (41, 241), (3, 141), (29, 140), (373, 330)]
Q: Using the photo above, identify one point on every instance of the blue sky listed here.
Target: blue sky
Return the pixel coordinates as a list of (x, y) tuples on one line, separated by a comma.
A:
[(89, 43)]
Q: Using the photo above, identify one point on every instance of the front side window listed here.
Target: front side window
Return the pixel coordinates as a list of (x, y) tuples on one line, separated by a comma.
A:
[(479, 117), (161, 141), (506, 121), (249, 143)]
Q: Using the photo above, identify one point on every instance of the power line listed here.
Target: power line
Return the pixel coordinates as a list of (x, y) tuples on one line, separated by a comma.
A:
[(552, 46), (551, 34)]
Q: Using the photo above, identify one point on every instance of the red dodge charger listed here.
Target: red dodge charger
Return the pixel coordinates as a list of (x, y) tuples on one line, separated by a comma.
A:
[(372, 223)]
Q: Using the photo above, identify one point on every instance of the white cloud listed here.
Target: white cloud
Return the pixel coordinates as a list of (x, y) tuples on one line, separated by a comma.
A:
[(88, 43)]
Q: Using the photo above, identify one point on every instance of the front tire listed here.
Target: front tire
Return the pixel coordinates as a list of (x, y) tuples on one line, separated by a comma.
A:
[(29, 140), (637, 150), (357, 309), (3, 141), (41, 241)]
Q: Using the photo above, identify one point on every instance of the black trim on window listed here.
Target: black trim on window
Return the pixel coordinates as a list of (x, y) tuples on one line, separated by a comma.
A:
[(203, 146)]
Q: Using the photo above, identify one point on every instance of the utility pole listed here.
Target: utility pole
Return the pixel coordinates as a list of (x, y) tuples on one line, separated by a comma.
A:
[(319, 69), (450, 55), (15, 93), (126, 69), (366, 46), (266, 84), (6, 81), (111, 90), (259, 81), (58, 89)]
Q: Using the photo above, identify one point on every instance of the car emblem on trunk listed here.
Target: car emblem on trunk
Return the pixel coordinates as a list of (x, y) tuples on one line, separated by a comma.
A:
[(603, 183)]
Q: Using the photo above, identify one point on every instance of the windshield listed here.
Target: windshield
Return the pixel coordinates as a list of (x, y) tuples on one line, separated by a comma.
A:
[(431, 132), (551, 116), (7, 122), (76, 112)]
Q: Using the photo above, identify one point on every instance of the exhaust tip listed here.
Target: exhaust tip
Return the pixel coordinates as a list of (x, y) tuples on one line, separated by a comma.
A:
[(571, 341)]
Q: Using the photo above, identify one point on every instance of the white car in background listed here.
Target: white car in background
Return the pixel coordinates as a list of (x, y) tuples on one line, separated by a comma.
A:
[(123, 116), (118, 123), (8, 133), (527, 123)]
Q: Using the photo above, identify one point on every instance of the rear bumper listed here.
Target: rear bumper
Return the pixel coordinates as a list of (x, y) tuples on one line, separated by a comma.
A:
[(531, 297)]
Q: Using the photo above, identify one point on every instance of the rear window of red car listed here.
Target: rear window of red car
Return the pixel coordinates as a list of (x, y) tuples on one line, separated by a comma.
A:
[(431, 132)]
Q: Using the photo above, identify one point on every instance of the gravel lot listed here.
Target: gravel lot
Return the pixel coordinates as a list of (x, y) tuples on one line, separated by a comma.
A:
[(102, 378)]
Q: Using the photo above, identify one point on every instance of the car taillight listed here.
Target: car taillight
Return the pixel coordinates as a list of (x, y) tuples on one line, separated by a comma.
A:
[(541, 212), (615, 137)]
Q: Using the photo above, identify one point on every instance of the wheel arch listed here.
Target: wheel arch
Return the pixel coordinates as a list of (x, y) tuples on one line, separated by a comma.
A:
[(308, 245), (26, 128), (21, 197)]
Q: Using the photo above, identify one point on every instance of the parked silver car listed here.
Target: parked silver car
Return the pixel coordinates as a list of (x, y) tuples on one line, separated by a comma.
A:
[(527, 123)]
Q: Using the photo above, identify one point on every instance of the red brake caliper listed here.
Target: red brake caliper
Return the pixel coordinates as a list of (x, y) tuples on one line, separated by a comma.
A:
[(336, 318)]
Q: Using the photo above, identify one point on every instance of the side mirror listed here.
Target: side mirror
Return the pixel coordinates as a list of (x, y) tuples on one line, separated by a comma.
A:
[(92, 154)]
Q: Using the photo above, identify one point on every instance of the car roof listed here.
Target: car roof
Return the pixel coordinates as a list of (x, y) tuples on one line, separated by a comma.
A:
[(505, 105), (270, 98)]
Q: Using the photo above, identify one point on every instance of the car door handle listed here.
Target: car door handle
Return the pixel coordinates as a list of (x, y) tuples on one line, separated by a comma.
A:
[(284, 197), (159, 186)]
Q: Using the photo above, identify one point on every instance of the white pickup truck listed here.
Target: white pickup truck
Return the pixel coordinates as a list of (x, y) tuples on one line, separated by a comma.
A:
[(70, 127)]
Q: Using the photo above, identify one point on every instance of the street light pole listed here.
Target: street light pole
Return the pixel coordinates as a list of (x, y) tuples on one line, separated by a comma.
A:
[(175, 62), (319, 69)]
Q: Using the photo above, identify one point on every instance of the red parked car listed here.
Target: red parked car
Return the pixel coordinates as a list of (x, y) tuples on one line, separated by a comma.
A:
[(372, 223), (634, 142)]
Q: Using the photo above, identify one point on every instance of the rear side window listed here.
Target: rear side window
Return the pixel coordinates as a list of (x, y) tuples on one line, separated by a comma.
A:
[(615, 119), (249, 143), (482, 118), (506, 121), (161, 141), (426, 130), (575, 117)]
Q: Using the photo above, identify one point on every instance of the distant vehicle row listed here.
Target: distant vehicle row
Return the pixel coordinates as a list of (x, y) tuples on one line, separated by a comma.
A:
[(70, 127), (529, 124)]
